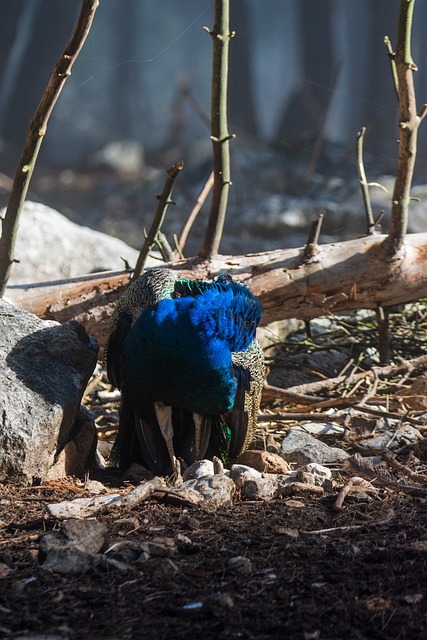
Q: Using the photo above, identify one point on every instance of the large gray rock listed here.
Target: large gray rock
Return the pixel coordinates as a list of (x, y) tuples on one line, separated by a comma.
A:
[(51, 247), (44, 370)]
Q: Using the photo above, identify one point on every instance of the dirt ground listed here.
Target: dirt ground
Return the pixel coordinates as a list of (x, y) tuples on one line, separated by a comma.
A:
[(313, 573)]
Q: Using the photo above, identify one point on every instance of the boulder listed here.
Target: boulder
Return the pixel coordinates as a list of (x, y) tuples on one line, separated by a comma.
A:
[(44, 370), (51, 247)]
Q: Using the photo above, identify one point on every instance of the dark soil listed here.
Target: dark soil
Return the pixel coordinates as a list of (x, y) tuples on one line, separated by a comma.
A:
[(360, 573)]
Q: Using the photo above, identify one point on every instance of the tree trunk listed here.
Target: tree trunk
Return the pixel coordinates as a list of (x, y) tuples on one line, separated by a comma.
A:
[(340, 277)]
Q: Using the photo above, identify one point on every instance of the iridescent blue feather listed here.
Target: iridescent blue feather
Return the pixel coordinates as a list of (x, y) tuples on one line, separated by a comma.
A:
[(180, 350)]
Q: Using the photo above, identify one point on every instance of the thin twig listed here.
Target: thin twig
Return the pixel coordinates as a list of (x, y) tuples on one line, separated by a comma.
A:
[(185, 91), (272, 392), (362, 408), (164, 247), (364, 183), (351, 527), (382, 372), (296, 417), (365, 469), (354, 484), (373, 388), (383, 335), (418, 478), (195, 212), (392, 57), (35, 136), (164, 201)]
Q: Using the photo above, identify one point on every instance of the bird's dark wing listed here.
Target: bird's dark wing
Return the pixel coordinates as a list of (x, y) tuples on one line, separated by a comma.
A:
[(146, 291), (114, 347)]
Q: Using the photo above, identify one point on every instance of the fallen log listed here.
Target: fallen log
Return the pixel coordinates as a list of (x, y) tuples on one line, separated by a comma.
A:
[(341, 276)]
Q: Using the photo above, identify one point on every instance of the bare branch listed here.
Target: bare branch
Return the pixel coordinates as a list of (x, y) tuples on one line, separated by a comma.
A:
[(34, 139), (164, 201), (195, 212), (364, 183)]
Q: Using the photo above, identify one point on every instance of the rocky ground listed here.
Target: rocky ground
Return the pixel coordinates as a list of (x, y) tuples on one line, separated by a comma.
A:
[(312, 563), (342, 560)]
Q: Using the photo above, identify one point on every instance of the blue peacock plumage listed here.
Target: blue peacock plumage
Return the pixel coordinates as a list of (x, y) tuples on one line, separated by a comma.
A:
[(184, 355)]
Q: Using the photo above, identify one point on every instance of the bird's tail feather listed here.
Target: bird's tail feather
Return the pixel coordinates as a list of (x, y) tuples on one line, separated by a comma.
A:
[(184, 435), (139, 438)]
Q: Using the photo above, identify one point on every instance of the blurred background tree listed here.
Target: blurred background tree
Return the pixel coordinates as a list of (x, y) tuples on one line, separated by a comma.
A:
[(139, 51)]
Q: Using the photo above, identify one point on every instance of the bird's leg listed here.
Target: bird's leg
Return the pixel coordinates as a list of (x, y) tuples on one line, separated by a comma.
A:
[(164, 418)]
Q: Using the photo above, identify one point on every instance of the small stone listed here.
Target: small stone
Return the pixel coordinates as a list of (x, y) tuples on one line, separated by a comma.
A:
[(295, 504), (94, 486), (137, 473), (86, 536), (263, 461), (222, 601), (185, 544), (407, 434), (239, 473), (167, 566), (4, 570), (215, 491), (415, 598), (302, 448), (392, 439), (198, 470), (260, 488), (377, 443), (126, 157), (67, 562), (107, 563), (314, 473), (241, 565), (323, 428), (124, 551), (218, 466), (163, 547)]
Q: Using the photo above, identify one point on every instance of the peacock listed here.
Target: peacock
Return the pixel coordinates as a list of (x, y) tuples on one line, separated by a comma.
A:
[(184, 355)]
